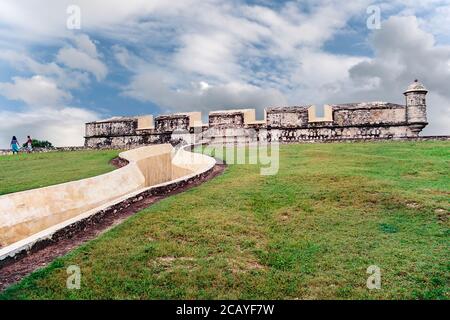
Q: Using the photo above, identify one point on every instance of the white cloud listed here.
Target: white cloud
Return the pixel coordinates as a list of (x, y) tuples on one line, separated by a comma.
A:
[(173, 91), (229, 48), (69, 79), (83, 57), (403, 52), (438, 114), (211, 55), (62, 127), (45, 20), (46, 94), (77, 59), (203, 55), (201, 96), (85, 44), (128, 60), (291, 28), (34, 91), (301, 72), (45, 116), (441, 20), (320, 75)]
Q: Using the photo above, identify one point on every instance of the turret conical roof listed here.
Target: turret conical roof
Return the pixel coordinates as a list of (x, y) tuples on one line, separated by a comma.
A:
[(416, 86)]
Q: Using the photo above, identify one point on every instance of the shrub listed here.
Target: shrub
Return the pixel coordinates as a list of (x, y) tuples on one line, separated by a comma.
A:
[(40, 144)]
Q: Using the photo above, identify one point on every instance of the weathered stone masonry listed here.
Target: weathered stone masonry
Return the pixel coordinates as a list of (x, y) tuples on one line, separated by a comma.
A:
[(366, 120)]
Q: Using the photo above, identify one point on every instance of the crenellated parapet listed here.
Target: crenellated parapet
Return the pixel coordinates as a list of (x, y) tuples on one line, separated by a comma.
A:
[(287, 117), (365, 120), (178, 121)]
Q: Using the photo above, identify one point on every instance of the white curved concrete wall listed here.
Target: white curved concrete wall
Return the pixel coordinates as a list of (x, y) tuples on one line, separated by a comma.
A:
[(27, 215), (194, 162)]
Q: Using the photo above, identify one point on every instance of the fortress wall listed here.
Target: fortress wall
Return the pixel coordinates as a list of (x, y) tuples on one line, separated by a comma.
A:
[(337, 133), (373, 114), (347, 121), (365, 120), (287, 117), (112, 128), (171, 123), (226, 119), (233, 118), (127, 141)]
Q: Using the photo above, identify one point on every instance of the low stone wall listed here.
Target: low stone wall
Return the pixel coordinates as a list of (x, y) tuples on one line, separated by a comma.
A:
[(257, 135), (4, 152), (70, 230), (373, 139), (35, 214), (342, 140)]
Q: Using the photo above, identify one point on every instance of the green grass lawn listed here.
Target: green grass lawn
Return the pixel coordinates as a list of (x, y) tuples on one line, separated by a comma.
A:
[(35, 170), (309, 232)]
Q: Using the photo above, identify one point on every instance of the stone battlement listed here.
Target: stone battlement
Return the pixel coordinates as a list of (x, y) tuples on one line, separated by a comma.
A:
[(364, 120)]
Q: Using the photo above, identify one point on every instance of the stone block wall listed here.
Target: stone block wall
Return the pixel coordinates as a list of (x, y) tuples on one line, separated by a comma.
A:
[(234, 119), (364, 114), (112, 127), (171, 123), (287, 117)]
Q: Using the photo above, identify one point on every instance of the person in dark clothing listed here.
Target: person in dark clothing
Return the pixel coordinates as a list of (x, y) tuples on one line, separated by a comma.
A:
[(29, 144)]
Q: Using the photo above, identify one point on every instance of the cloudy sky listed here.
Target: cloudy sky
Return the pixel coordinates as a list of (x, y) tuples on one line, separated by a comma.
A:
[(157, 56)]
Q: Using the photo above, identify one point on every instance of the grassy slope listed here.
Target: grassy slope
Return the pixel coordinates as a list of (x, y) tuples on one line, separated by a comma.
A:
[(29, 171), (309, 232)]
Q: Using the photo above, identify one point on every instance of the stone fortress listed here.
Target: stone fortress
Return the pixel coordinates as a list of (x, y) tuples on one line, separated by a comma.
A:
[(366, 120)]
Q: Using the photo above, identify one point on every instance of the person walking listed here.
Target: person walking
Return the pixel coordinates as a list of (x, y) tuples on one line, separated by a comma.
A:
[(15, 145), (29, 144)]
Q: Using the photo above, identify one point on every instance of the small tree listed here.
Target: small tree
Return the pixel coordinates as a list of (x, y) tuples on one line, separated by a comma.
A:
[(40, 144)]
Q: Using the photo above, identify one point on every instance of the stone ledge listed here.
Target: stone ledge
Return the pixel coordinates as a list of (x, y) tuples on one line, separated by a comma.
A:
[(420, 138), (71, 229), (188, 167), (374, 139)]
